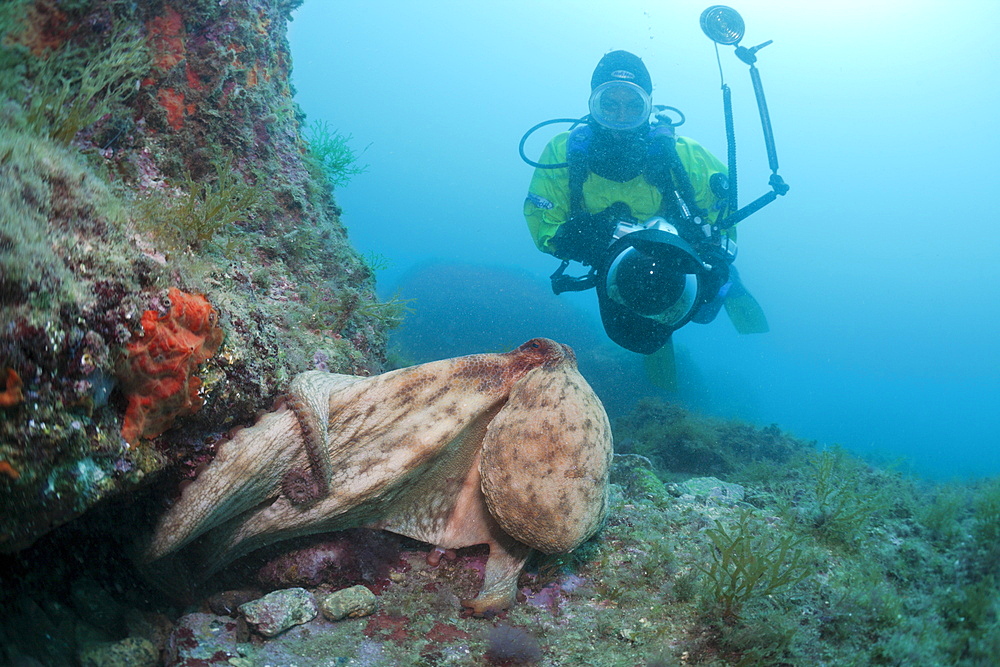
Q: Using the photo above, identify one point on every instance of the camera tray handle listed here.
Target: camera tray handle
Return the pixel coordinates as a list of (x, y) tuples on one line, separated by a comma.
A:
[(563, 283)]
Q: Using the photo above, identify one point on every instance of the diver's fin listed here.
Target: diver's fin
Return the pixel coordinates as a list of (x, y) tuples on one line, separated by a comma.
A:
[(661, 371), (743, 310)]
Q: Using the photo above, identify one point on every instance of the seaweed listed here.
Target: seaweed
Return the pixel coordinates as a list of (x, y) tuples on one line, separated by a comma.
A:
[(389, 314), (678, 441), (986, 509), (971, 616), (845, 498), (860, 600), (70, 86), (763, 639), (376, 261), (327, 307), (748, 564), (331, 155), (942, 517), (673, 439), (194, 213)]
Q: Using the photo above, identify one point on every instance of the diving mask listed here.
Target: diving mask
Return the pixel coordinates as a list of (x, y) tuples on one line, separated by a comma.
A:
[(620, 105)]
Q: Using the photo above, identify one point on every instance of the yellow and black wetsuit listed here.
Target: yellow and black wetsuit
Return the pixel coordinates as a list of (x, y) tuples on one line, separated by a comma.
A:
[(547, 205)]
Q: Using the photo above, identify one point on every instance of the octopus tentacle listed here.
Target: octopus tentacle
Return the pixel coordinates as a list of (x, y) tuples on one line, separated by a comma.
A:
[(309, 398)]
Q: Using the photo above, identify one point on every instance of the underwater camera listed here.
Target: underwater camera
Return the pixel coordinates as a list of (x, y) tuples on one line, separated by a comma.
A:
[(651, 282)]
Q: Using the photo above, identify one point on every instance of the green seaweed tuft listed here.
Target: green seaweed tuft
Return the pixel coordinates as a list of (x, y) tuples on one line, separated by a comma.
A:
[(986, 510), (748, 563), (331, 155), (845, 497), (71, 86), (197, 212), (376, 261)]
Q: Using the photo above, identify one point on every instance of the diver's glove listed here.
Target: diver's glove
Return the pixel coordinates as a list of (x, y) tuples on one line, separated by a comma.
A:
[(584, 238)]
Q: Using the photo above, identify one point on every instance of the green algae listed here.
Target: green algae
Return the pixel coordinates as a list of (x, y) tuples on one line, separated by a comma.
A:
[(747, 562), (61, 224), (104, 205), (49, 200), (331, 156), (986, 526), (902, 569), (195, 213), (909, 579), (845, 498), (642, 591), (681, 443), (68, 85)]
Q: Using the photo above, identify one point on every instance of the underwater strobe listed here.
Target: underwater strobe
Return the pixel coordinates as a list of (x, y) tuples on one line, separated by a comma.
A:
[(724, 25)]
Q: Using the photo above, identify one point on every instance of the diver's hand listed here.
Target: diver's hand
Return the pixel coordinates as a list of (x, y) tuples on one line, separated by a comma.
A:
[(584, 238)]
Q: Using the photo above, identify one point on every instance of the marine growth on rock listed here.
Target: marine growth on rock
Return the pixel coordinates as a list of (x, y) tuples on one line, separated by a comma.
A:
[(159, 372)]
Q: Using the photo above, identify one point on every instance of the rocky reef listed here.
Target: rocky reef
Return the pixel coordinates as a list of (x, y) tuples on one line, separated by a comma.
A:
[(171, 255), (151, 153), (792, 556)]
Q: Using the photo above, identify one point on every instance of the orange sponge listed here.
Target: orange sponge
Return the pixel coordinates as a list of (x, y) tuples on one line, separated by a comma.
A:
[(11, 394), (159, 373)]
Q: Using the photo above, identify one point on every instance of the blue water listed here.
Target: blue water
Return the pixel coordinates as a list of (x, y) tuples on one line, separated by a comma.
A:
[(879, 270)]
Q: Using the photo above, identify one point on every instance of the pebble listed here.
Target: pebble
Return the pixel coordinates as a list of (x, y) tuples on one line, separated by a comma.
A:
[(199, 638), (348, 603), (277, 611), (130, 652), (713, 488)]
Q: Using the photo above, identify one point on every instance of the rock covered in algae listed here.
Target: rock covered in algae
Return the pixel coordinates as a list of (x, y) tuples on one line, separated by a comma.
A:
[(199, 639), (348, 603), (280, 610), (129, 652), (712, 488)]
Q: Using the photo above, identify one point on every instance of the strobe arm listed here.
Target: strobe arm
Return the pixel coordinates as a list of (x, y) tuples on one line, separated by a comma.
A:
[(778, 185), (749, 57)]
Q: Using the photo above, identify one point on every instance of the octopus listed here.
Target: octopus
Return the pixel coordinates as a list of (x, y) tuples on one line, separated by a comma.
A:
[(510, 450)]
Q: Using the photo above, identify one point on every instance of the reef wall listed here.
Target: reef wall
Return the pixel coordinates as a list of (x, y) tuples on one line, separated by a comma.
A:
[(170, 248)]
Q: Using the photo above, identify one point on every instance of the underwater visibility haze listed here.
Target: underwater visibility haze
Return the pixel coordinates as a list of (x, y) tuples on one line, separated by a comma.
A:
[(875, 271), (267, 398)]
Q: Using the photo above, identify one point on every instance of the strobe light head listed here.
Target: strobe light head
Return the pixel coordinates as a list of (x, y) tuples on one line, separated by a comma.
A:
[(722, 25)]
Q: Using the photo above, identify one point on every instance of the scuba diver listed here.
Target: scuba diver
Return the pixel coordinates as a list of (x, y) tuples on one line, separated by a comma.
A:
[(622, 194)]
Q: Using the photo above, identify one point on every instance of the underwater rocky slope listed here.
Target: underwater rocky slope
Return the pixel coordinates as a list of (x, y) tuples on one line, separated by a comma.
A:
[(726, 544), (170, 255), (170, 251)]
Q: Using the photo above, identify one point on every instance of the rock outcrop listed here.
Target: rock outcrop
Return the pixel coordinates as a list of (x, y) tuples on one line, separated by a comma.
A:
[(149, 147)]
